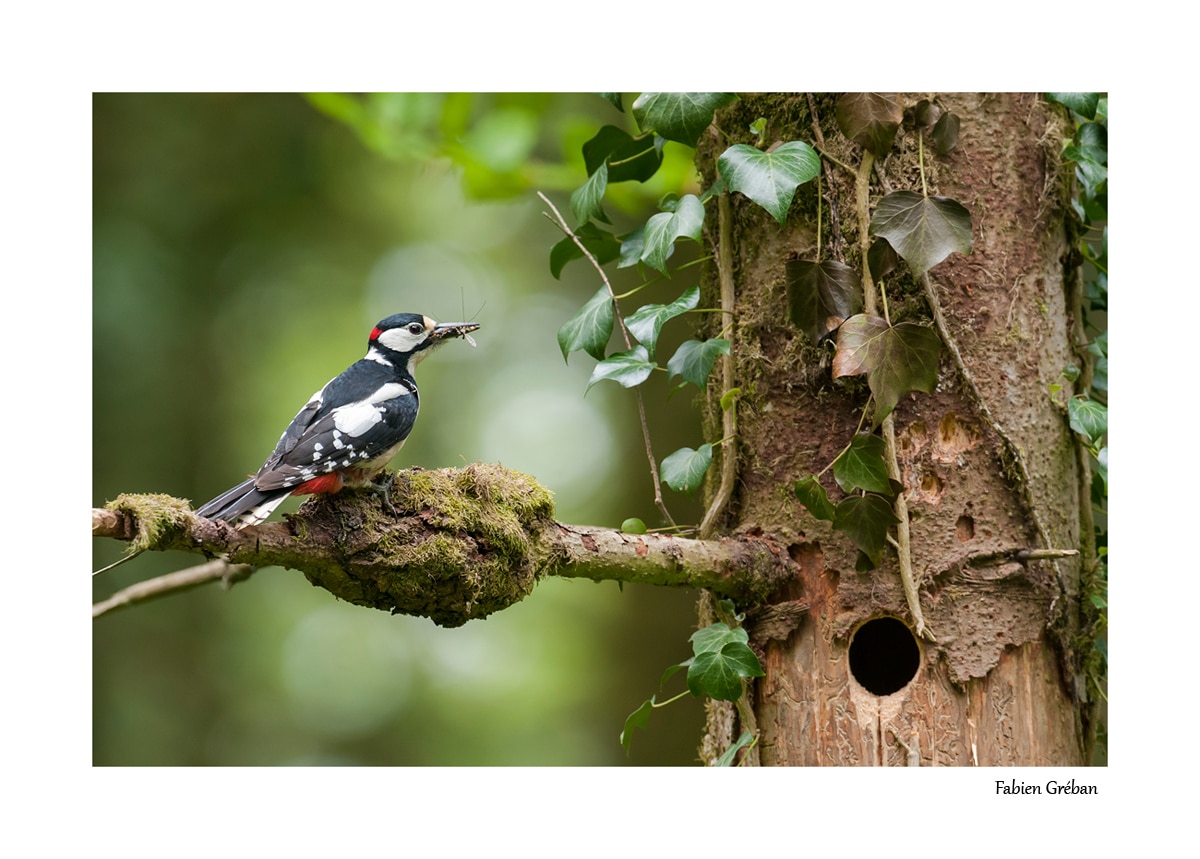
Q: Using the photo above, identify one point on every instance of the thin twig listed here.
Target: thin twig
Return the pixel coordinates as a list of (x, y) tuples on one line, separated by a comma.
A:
[(729, 417), (561, 223), (903, 543), (173, 583), (834, 221)]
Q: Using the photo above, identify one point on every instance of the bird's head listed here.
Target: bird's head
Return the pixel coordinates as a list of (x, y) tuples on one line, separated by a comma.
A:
[(404, 339)]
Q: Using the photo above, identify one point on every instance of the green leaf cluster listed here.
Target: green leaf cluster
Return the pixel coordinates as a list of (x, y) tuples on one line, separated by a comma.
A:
[(614, 155), (721, 661), (1086, 155)]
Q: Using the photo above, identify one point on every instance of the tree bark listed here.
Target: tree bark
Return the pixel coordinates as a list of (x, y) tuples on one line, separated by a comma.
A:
[(988, 462)]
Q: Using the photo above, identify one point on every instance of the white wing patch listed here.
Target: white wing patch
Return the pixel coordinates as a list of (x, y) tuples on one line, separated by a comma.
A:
[(389, 392), (357, 419)]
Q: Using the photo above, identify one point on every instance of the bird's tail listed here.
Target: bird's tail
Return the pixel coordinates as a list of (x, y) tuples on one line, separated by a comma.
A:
[(243, 504)]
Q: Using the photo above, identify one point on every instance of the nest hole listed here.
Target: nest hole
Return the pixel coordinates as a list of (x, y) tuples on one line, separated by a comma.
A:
[(884, 656)]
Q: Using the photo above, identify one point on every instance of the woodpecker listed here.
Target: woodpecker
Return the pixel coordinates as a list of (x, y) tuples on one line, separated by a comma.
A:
[(350, 429)]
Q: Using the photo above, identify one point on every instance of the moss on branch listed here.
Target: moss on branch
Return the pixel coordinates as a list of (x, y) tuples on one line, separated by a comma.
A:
[(462, 544)]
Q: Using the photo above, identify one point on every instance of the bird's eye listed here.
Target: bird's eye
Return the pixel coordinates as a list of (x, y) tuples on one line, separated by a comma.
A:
[(415, 328)]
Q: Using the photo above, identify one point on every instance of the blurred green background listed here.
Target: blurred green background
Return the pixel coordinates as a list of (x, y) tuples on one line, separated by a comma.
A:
[(243, 247)]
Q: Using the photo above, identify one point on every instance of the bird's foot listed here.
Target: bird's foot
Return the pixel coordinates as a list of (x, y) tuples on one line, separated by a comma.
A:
[(383, 487)]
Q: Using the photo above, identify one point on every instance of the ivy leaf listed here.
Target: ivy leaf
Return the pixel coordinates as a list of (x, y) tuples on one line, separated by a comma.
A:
[(1083, 103), (897, 359), (1088, 418), (637, 719), (870, 119), (924, 113), (684, 470), (633, 525), (632, 246), (821, 295), (693, 360), (627, 369), (679, 116), (862, 466), (730, 753), (585, 200), (923, 230), (663, 229), (613, 98), (945, 133), (602, 244), (865, 519), (590, 328), (882, 259), (769, 178), (814, 497), (627, 157), (1100, 467), (718, 673), (647, 322), (715, 636)]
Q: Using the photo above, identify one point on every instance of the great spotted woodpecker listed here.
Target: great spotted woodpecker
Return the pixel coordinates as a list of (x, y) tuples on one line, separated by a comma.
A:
[(350, 429)]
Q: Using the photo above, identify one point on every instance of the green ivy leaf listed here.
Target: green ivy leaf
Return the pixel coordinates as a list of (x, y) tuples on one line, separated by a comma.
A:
[(590, 328), (637, 719), (769, 178), (661, 231), (862, 466), (897, 359), (945, 133), (1083, 103), (821, 295), (586, 199), (1100, 468), (718, 673), (865, 519), (684, 470), (882, 259), (613, 98), (923, 230), (627, 157), (814, 497), (646, 324), (1088, 418), (870, 119), (693, 360), (627, 369), (715, 636), (632, 246), (729, 398), (633, 525), (726, 759), (602, 244), (679, 116)]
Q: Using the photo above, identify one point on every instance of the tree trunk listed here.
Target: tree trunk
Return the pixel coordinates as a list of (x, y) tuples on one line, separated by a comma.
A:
[(989, 466)]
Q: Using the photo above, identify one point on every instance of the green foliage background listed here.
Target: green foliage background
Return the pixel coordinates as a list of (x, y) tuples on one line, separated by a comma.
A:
[(243, 246)]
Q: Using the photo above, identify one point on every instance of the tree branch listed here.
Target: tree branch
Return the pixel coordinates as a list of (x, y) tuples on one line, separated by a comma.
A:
[(465, 543)]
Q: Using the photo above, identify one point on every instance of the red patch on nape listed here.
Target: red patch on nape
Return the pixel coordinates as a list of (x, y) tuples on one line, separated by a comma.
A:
[(375, 332), (326, 483)]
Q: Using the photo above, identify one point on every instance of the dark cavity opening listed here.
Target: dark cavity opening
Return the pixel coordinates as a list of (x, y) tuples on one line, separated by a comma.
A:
[(884, 656)]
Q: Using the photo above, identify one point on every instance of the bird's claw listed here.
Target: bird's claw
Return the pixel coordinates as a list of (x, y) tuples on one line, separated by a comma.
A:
[(383, 489)]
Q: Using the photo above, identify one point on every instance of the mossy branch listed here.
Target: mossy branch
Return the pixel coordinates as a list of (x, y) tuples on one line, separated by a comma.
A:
[(465, 543)]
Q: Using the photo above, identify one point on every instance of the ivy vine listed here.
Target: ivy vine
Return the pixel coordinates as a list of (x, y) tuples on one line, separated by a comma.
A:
[(834, 303)]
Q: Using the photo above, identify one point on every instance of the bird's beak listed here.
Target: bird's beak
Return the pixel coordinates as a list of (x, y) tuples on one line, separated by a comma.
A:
[(446, 330)]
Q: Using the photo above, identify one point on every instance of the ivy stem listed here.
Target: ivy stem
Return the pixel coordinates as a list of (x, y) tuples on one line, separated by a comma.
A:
[(921, 162), (818, 217), (729, 417), (682, 694), (562, 225), (903, 542)]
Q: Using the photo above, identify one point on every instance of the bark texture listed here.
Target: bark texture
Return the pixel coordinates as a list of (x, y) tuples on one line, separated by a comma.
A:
[(988, 463)]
